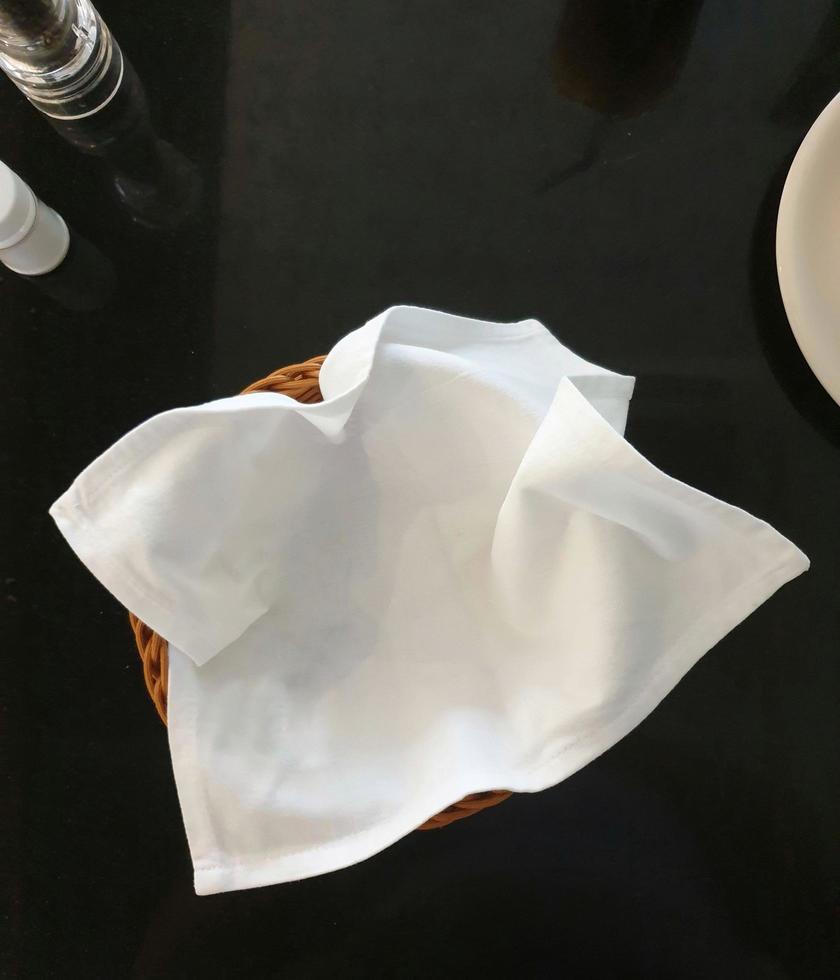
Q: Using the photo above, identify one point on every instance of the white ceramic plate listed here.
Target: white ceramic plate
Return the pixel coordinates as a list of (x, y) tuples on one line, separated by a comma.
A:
[(808, 247)]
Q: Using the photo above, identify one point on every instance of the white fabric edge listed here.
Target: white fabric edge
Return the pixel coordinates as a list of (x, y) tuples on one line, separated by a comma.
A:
[(119, 580), (361, 345), (695, 641)]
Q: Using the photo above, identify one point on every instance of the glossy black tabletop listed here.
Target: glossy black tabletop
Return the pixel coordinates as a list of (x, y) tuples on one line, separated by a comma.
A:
[(611, 167)]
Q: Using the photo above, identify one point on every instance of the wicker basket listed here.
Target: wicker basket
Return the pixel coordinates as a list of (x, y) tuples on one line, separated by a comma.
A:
[(299, 381)]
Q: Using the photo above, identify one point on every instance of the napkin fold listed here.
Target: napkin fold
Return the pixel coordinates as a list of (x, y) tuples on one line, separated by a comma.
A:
[(452, 575)]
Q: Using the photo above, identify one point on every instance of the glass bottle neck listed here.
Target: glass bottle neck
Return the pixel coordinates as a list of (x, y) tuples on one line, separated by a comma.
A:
[(60, 54)]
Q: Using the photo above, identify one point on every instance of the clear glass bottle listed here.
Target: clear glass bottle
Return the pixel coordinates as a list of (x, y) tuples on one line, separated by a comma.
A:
[(63, 58), (61, 55)]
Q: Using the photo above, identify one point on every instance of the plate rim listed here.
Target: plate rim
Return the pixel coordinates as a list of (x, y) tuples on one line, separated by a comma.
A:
[(802, 332)]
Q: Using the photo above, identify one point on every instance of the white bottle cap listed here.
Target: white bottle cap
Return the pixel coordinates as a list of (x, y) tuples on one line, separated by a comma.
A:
[(33, 238)]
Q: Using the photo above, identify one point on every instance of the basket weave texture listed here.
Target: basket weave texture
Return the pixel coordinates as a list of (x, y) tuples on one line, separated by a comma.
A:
[(298, 381)]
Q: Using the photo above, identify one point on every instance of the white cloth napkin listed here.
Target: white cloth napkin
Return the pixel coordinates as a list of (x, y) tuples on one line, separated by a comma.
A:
[(452, 575)]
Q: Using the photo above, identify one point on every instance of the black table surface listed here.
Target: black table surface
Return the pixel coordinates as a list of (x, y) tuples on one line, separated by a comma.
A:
[(611, 167)]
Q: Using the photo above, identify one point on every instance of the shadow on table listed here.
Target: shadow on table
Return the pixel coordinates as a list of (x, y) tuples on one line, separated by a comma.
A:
[(604, 876), (817, 78), (619, 58)]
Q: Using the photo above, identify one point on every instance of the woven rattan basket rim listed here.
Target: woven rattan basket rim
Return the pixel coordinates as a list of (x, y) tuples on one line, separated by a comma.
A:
[(299, 381)]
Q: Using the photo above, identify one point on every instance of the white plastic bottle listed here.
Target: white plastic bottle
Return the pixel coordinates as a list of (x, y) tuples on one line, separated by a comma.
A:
[(34, 239), (36, 243)]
